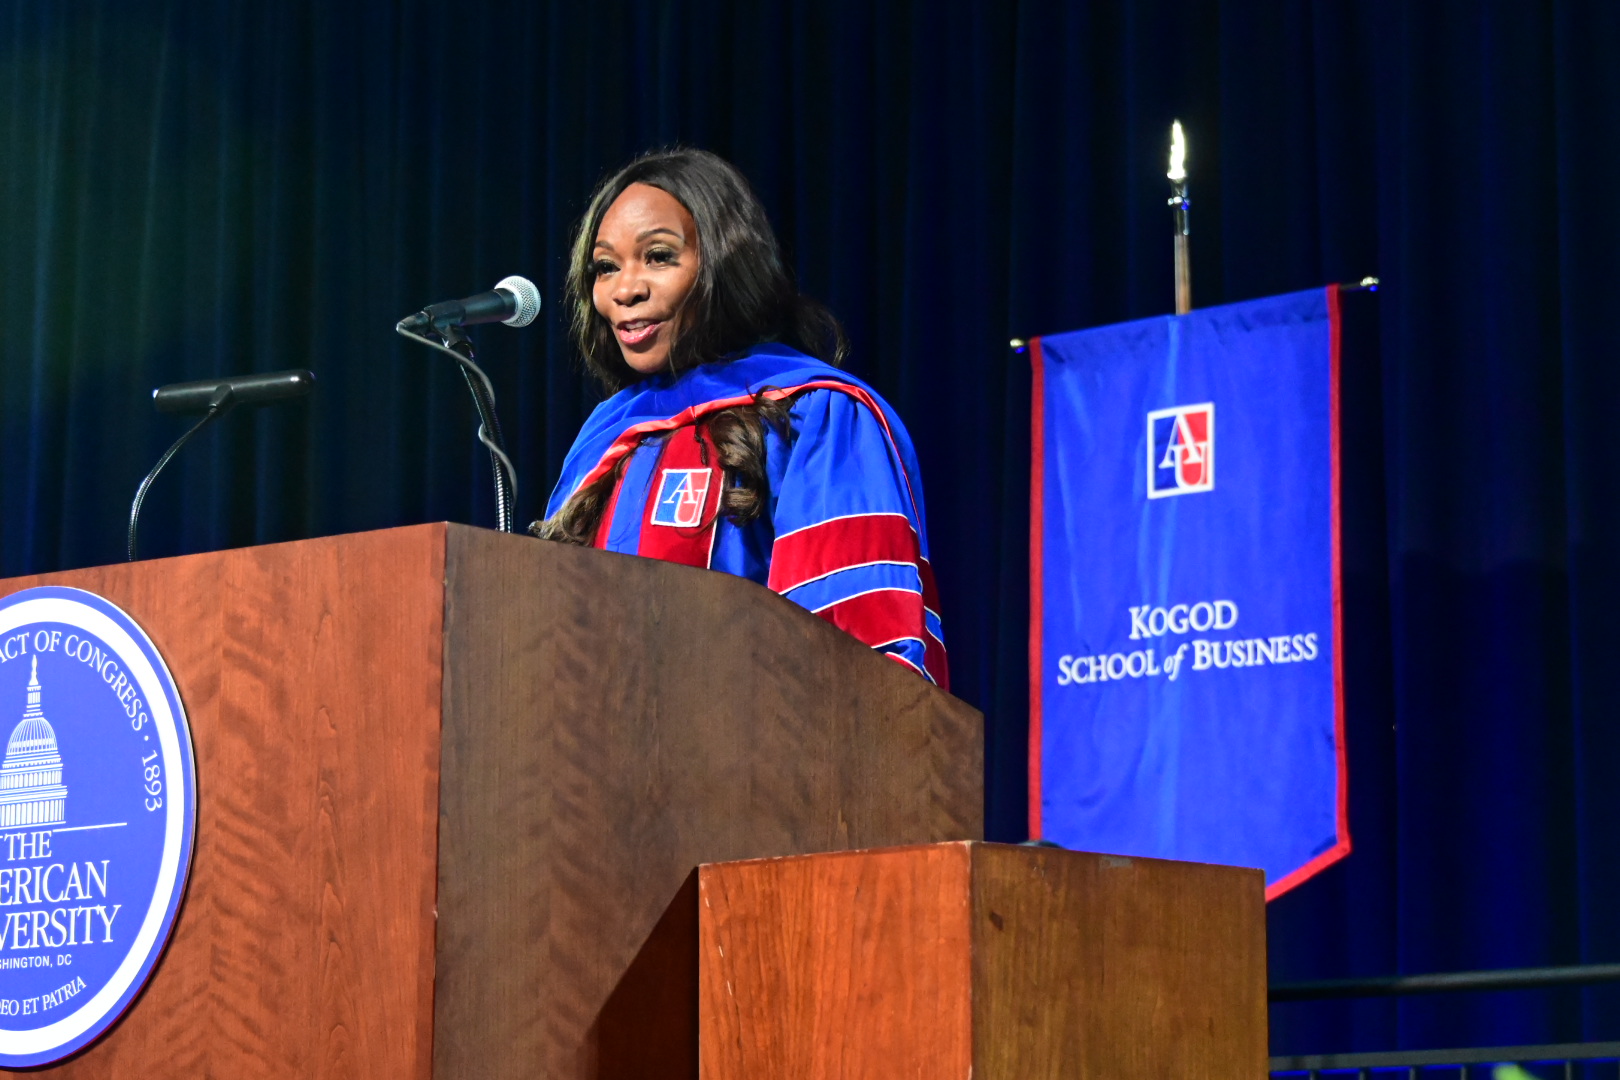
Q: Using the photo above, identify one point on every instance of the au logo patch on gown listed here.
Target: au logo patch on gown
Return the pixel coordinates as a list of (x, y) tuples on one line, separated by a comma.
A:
[(681, 493), (97, 818)]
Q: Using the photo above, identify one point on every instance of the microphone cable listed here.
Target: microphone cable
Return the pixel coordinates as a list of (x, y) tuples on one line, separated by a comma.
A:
[(483, 391)]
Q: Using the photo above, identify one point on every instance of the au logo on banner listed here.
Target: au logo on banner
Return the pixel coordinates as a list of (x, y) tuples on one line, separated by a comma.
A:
[(97, 816), (1181, 450)]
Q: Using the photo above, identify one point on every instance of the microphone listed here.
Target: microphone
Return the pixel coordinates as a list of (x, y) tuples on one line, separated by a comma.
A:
[(514, 301), (201, 395), (213, 398)]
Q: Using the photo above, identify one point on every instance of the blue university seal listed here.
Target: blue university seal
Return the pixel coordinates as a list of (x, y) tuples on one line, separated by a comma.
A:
[(97, 814)]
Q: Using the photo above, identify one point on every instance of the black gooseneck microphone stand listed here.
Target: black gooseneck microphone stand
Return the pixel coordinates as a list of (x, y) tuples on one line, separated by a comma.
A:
[(214, 398), (222, 402), (454, 343)]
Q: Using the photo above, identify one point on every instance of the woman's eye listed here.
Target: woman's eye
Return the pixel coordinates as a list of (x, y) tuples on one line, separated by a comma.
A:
[(602, 266), (661, 256)]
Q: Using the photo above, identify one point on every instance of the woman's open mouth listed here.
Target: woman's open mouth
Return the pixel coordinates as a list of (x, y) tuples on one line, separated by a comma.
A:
[(636, 331)]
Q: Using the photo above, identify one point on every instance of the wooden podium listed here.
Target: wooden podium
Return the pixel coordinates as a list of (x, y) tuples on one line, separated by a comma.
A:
[(980, 960), (449, 779)]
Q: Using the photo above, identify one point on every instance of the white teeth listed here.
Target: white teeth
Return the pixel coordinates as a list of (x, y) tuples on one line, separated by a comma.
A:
[(638, 330)]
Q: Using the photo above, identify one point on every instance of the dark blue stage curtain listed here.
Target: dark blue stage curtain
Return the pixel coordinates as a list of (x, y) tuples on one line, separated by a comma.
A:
[(199, 187)]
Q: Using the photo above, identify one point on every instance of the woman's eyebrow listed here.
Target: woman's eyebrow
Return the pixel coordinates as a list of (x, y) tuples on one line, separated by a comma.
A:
[(659, 229)]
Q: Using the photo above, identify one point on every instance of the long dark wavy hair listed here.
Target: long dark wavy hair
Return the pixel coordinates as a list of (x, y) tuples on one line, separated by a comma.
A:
[(743, 296)]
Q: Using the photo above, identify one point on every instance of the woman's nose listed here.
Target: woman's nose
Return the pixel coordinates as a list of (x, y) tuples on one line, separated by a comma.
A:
[(631, 287)]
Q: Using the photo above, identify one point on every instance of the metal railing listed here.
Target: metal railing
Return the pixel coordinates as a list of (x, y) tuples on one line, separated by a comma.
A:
[(1547, 1062), (1587, 1060)]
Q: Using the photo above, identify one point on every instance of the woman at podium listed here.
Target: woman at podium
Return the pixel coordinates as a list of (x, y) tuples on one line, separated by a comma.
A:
[(731, 440)]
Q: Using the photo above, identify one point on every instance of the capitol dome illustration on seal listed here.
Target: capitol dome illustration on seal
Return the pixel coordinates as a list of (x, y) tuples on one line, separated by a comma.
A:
[(31, 791)]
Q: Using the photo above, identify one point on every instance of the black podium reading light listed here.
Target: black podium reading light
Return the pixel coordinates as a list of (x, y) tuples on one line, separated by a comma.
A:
[(214, 398), (514, 301)]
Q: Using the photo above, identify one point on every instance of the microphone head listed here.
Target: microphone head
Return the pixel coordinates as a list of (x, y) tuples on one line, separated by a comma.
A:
[(259, 389), (527, 296)]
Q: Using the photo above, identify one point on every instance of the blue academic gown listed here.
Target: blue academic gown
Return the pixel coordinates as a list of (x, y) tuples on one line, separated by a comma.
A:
[(844, 534)]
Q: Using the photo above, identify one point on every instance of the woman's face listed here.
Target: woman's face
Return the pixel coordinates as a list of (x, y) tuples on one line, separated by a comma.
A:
[(646, 260)]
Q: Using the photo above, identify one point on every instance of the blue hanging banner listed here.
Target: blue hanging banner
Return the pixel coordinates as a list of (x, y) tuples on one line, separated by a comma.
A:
[(1186, 669)]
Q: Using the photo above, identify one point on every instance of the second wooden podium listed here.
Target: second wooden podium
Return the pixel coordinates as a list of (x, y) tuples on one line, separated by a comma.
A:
[(448, 780)]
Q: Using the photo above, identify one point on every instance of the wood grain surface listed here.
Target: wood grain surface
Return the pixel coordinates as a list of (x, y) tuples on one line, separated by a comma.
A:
[(310, 677), (648, 1027), (855, 966), (1093, 966), (982, 961), (610, 722)]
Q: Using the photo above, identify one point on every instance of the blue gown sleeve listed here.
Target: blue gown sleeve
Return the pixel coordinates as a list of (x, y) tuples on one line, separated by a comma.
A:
[(849, 539)]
